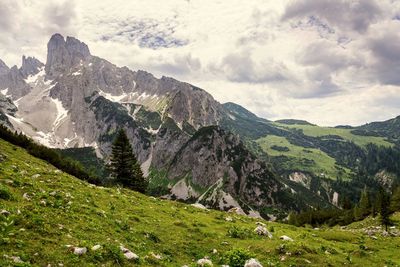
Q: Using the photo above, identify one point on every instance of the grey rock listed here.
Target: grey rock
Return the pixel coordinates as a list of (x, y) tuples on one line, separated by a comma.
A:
[(252, 263), (30, 66)]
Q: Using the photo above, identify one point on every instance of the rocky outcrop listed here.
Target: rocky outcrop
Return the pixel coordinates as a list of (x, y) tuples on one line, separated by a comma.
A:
[(63, 54), (12, 82), (218, 162), (30, 66), (7, 106)]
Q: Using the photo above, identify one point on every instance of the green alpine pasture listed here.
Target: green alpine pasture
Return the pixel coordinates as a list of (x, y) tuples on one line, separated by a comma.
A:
[(317, 131), (45, 213), (301, 158)]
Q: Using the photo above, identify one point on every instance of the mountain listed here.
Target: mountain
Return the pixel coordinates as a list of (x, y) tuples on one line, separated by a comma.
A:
[(177, 130), (190, 146), (333, 162), (47, 215)]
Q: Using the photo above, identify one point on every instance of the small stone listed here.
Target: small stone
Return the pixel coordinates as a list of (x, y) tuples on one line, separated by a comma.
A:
[(204, 262), (35, 176), (228, 219), (260, 224), (286, 238), (5, 212), (26, 196), (214, 251), (17, 259), (131, 256), (96, 247), (80, 251), (261, 230), (252, 263), (199, 206), (155, 256)]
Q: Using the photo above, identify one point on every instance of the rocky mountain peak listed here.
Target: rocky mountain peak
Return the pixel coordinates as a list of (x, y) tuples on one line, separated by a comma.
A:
[(30, 66), (3, 68), (63, 54)]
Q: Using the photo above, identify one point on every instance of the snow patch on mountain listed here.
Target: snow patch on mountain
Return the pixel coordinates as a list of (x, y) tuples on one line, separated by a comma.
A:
[(61, 114), (113, 98), (14, 119), (5, 92), (33, 79)]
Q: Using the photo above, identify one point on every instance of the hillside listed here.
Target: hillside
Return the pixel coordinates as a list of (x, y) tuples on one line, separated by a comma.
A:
[(46, 213), (332, 162)]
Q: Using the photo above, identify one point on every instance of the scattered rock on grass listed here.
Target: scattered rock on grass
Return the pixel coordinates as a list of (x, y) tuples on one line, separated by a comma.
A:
[(128, 254), (96, 247), (5, 212), (261, 230), (80, 251), (286, 238), (199, 206), (252, 263), (204, 262)]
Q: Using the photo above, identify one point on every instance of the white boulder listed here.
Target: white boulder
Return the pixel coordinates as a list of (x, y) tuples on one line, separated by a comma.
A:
[(261, 230), (286, 238), (252, 263), (80, 251), (204, 262), (199, 206)]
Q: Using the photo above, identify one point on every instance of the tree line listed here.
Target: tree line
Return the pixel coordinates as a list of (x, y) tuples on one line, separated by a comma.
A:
[(381, 203)]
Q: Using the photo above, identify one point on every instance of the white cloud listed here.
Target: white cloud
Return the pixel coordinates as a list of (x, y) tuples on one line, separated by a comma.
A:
[(281, 59)]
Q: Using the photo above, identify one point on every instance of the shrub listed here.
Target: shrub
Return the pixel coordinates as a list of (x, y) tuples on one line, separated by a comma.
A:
[(114, 254), (5, 193), (238, 232), (237, 257)]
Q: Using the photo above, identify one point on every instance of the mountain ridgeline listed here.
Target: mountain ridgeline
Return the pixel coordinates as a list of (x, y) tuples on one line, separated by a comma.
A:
[(191, 147)]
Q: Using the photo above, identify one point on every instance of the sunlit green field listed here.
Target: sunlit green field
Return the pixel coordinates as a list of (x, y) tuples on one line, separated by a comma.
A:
[(323, 165), (316, 131)]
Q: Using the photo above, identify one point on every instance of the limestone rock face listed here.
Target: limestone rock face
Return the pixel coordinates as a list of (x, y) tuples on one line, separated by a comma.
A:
[(63, 54)]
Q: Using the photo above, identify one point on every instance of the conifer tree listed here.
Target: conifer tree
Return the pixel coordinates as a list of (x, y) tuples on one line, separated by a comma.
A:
[(363, 208), (395, 201), (384, 208), (124, 167)]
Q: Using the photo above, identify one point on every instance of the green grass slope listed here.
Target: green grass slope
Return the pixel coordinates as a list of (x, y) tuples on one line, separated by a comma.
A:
[(317, 131), (45, 211), (305, 159)]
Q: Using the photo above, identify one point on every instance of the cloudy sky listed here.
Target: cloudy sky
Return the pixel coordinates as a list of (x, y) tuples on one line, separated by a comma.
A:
[(327, 61)]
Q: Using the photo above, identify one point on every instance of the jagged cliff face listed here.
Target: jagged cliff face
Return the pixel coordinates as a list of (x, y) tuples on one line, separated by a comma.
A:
[(77, 99), (218, 162)]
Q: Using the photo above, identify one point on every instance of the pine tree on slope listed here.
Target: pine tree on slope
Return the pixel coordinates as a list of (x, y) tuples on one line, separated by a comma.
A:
[(124, 167)]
